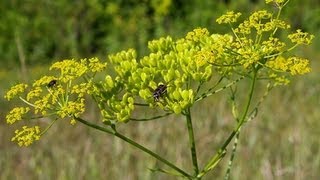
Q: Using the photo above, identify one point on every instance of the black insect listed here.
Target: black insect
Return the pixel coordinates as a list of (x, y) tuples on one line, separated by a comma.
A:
[(52, 83), (159, 91)]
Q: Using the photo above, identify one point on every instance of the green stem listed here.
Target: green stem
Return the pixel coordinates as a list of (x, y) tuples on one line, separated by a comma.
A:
[(27, 102), (150, 118), (253, 83), (182, 172), (44, 131), (217, 157), (227, 175), (209, 92), (192, 142)]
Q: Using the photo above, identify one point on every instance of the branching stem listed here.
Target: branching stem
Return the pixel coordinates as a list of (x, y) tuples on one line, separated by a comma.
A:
[(221, 152), (135, 144)]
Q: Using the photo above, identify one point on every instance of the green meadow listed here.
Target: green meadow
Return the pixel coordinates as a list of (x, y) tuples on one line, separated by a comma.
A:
[(282, 142)]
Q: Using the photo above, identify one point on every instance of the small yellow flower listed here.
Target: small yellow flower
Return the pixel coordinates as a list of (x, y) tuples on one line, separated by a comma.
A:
[(280, 24), (202, 57), (300, 37), (229, 17), (299, 65), (36, 92), (16, 114), (43, 81), (15, 90), (95, 65), (73, 121), (294, 65), (72, 108), (27, 136), (249, 56), (244, 28), (279, 63), (69, 69), (257, 21), (272, 45), (197, 34), (42, 105), (279, 80), (56, 94), (84, 88), (276, 1)]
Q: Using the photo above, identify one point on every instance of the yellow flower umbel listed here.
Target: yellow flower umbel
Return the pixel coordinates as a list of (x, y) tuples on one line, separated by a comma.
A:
[(300, 37), (256, 46), (58, 96), (294, 65), (16, 114), (229, 17), (27, 135), (15, 90)]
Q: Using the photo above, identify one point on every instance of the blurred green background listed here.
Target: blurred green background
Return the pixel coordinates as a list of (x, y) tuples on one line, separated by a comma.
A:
[(281, 143)]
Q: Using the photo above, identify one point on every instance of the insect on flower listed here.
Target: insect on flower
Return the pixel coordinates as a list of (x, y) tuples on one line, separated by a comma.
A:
[(159, 91), (52, 83)]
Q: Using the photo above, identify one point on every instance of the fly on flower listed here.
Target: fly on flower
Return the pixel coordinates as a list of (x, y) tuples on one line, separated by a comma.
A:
[(159, 91), (52, 83)]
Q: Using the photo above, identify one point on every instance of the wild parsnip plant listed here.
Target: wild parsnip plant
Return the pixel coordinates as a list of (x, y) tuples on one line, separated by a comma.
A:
[(173, 77)]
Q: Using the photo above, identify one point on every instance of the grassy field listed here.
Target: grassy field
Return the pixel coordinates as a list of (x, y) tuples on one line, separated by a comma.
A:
[(282, 142)]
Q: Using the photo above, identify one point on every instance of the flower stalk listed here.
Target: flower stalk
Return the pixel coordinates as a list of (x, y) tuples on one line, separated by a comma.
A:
[(135, 144), (192, 143)]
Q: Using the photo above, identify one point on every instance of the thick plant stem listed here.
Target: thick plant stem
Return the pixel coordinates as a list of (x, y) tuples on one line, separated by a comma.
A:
[(182, 172), (221, 152), (192, 142)]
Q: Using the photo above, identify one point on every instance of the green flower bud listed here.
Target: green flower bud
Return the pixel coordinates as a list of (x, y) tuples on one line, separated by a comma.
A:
[(176, 94), (109, 82), (177, 109), (145, 94)]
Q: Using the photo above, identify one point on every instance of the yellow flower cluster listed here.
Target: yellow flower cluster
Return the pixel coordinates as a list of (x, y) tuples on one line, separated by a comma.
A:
[(248, 57), (69, 69), (27, 135), (94, 64), (272, 45), (300, 37), (275, 1), (294, 65), (256, 46), (279, 80), (229, 17), (55, 95), (15, 90), (72, 108), (42, 105), (203, 57), (261, 21), (43, 81), (197, 34), (16, 114), (84, 88), (35, 92)]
